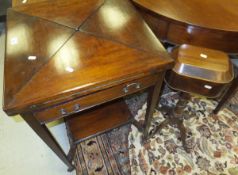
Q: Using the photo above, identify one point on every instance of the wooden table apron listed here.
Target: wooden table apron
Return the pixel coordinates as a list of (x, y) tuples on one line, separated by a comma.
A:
[(212, 23), (65, 57)]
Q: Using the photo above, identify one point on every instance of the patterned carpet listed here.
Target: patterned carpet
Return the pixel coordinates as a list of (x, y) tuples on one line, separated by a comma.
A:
[(108, 153), (104, 154), (213, 140)]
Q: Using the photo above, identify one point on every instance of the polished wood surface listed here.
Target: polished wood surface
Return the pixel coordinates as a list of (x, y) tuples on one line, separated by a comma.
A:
[(101, 119), (65, 57), (194, 86), (67, 13), (94, 99), (29, 37), (202, 63), (24, 2), (204, 14), (211, 23), (199, 70), (81, 54), (118, 25)]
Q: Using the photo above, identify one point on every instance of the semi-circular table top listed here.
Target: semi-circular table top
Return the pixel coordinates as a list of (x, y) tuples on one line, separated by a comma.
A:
[(211, 23), (212, 14)]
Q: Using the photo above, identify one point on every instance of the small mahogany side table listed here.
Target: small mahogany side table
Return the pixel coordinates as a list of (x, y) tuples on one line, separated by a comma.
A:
[(64, 58), (197, 70)]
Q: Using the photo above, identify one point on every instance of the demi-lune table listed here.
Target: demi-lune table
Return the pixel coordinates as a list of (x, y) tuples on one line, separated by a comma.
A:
[(211, 23), (76, 59)]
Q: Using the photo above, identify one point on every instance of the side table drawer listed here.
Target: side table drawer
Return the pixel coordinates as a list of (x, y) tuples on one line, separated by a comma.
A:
[(194, 85), (95, 99)]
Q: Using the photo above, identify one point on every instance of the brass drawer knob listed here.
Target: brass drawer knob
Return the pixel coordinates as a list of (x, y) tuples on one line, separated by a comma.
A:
[(136, 85), (76, 107), (63, 111)]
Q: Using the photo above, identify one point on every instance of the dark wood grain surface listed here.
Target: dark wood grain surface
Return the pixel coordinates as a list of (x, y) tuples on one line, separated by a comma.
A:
[(94, 99), (116, 20), (58, 63), (64, 57), (203, 63), (101, 119), (30, 44), (200, 71), (25, 2), (67, 13), (211, 23), (199, 13)]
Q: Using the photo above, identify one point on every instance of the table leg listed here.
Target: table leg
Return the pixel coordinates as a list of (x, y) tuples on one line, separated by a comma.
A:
[(231, 91), (43, 132), (153, 98)]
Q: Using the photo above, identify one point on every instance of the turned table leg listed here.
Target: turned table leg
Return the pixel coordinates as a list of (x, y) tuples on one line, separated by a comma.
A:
[(43, 132), (175, 118)]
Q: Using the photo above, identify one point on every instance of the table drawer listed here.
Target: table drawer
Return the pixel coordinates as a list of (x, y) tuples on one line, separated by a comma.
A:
[(94, 99), (194, 86)]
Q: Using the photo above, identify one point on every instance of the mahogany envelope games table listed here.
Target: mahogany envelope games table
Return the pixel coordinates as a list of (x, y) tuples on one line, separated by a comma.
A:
[(76, 59)]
